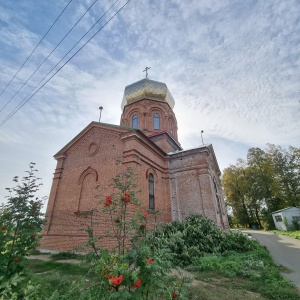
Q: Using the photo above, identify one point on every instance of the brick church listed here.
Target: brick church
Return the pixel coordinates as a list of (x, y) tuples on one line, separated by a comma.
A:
[(172, 180)]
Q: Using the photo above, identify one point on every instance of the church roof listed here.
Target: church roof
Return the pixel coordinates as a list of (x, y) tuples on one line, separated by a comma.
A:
[(147, 89)]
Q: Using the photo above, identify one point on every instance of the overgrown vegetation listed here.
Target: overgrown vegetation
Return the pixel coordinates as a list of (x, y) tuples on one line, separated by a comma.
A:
[(267, 181), (197, 236), (292, 234), (21, 222), (257, 268), (139, 265)]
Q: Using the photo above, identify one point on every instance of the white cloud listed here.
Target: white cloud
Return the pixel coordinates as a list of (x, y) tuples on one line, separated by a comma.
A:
[(232, 67)]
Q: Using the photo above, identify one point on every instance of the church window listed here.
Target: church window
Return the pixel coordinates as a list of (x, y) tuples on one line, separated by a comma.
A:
[(151, 192), (156, 121), (135, 121)]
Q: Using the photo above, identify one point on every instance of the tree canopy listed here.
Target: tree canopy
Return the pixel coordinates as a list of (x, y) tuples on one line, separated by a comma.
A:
[(268, 180)]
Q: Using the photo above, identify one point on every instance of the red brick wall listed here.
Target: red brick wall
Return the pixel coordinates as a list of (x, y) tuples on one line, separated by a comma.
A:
[(145, 110), (192, 188), (89, 159)]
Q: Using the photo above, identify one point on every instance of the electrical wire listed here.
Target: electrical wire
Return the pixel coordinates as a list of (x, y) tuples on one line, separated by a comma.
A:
[(35, 47), (17, 92), (24, 101)]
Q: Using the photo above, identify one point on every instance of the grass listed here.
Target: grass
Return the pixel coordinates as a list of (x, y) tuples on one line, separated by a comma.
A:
[(292, 234), (56, 280), (37, 266), (233, 276), (216, 292), (252, 271)]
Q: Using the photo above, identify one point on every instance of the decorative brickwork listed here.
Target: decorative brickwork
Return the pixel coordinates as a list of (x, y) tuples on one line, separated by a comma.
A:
[(184, 181), (145, 110)]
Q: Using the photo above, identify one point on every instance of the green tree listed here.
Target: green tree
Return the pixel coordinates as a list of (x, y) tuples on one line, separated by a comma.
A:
[(268, 181), (236, 189), (287, 174), (21, 221)]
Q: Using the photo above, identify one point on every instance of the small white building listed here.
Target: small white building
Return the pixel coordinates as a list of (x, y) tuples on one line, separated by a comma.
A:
[(290, 213)]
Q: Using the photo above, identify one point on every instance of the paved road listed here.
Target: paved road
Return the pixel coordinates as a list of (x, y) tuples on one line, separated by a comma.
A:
[(284, 250)]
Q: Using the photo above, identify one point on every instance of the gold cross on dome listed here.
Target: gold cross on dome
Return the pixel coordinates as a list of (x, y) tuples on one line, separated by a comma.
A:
[(146, 70)]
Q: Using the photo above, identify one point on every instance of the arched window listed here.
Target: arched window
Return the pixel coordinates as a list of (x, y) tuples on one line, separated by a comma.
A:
[(135, 121), (156, 121), (151, 192)]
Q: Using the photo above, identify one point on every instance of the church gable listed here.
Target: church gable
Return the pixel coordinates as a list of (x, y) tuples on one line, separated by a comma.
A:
[(91, 137)]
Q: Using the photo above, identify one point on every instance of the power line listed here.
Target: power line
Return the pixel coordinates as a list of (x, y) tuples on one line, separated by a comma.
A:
[(21, 104), (35, 47), (24, 101), (48, 56)]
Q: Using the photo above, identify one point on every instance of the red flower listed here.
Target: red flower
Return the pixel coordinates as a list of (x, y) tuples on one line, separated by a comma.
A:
[(108, 276), (137, 284), (108, 201), (33, 235), (16, 259), (149, 260), (116, 280), (145, 215), (174, 294), (126, 198), (3, 228)]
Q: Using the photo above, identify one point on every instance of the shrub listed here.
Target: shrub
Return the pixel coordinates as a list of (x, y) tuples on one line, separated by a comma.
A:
[(238, 242), (21, 222), (198, 235)]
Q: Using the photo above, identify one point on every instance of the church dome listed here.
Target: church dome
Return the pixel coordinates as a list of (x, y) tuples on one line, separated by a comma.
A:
[(147, 89)]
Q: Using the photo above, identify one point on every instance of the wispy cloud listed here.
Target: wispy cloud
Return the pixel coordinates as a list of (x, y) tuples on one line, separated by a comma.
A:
[(232, 67)]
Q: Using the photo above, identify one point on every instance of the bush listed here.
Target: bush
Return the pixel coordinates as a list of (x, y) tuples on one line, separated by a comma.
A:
[(197, 236), (20, 225), (238, 242)]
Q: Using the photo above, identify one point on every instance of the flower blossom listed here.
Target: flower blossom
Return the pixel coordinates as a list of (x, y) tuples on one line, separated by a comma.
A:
[(33, 235), (174, 294), (137, 284), (126, 198), (149, 260), (116, 280), (145, 215), (108, 201), (16, 259)]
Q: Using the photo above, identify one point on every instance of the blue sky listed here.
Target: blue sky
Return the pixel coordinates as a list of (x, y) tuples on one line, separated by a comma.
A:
[(231, 66)]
